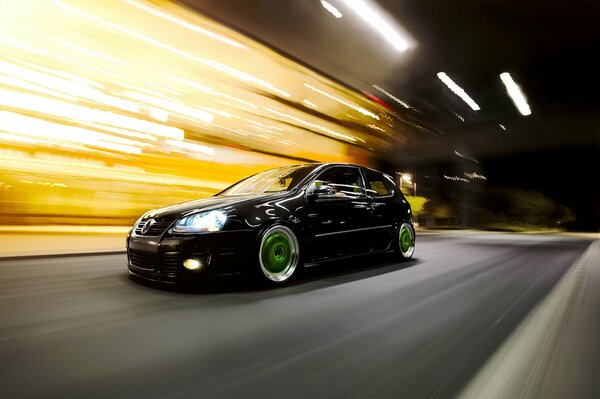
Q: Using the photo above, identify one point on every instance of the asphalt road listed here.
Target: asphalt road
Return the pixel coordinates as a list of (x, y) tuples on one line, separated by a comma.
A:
[(370, 328)]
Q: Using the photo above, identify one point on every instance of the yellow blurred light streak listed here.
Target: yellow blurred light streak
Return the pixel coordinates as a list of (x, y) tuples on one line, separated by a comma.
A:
[(187, 82), (177, 107), (68, 60), (43, 105), (69, 87), (168, 90), (24, 162), (159, 114), (217, 112), (390, 95), (206, 89), (372, 126), (252, 121), (18, 139), (123, 132), (314, 126), (146, 91), (33, 127), (246, 77), (56, 72), (89, 52), (14, 82), (212, 63), (310, 104), (192, 147), (243, 132), (187, 25), (346, 103)]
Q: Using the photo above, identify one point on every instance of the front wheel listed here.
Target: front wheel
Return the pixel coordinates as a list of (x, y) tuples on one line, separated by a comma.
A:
[(278, 254), (406, 241)]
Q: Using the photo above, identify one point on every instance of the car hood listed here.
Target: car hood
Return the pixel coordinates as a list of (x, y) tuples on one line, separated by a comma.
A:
[(222, 202)]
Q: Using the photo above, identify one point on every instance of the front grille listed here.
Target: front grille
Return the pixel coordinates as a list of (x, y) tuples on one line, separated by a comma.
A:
[(142, 259), (156, 228), (171, 262)]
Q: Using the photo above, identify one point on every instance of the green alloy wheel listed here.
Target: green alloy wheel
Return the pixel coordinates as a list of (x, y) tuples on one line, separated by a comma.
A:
[(406, 239), (278, 253)]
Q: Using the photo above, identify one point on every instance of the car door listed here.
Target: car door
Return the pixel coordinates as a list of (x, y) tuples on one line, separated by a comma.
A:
[(381, 193), (337, 219)]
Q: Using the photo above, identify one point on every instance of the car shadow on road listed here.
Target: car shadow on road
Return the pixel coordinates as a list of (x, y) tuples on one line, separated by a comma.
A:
[(312, 278)]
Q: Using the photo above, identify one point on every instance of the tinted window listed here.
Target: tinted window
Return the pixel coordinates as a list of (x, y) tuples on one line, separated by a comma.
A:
[(377, 184), (344, 181), (274, 180)]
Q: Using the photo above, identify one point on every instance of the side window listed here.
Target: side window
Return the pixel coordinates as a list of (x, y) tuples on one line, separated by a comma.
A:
[(343, 180), (377, 184)]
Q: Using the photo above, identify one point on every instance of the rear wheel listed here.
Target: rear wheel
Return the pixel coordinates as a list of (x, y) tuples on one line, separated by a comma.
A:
[(406, 241), (278, 254)]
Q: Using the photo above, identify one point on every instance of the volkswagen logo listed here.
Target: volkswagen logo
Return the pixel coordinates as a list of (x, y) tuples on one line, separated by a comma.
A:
[(147, 226)]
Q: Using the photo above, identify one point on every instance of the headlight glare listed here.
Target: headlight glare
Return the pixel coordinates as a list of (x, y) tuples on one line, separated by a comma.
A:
[(203, 222)]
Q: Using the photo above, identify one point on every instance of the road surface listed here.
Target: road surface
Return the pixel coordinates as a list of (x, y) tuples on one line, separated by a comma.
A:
[(370, 328)]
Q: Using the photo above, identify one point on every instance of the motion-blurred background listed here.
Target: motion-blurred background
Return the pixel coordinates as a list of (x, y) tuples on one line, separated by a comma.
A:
[(110, 108)]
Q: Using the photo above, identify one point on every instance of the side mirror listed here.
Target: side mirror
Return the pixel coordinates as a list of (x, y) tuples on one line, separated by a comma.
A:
[(323, 191)]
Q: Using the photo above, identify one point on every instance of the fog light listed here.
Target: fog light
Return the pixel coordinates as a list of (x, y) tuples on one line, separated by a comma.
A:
[(192, 264)]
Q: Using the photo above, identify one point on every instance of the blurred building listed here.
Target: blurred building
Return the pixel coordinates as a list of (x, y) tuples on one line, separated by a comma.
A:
[(108, 109)]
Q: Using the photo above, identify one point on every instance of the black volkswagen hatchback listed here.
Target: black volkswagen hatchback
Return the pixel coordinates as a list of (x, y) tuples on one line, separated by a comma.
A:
[(270, 224)]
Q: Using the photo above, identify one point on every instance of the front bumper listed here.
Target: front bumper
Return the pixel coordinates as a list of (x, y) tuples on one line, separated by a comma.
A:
[(160, 258)]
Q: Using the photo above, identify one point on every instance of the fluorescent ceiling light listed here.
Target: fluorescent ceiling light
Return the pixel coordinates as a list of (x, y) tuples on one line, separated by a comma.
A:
[(329, 7), (367, 12), (456, 89), (514, 91)]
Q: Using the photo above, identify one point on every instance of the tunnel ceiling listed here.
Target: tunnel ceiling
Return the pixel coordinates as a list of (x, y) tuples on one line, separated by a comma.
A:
[(547, 47)]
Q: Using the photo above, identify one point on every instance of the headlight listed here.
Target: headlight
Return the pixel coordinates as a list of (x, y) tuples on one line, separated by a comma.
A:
[(201, 222)]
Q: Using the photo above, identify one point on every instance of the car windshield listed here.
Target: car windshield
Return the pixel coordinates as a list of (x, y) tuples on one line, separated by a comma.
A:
[(270, 181)]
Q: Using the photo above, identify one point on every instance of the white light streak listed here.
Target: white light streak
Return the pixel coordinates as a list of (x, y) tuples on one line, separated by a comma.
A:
[(212, 63), (390, 95), (89, 52), (465, 156), (314, 126), (515, 93), (18, 139), (33, 127), (184, 24), (310, 104), (346, 103), (456, 178), (172, 106), (366, 11), (502, 126), (192, 147), (456, 89), (206, 89), (329, 7), (48, 106), (475, 176)]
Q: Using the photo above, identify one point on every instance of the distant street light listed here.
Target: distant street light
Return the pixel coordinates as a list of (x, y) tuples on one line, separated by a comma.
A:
[(407, 177)]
